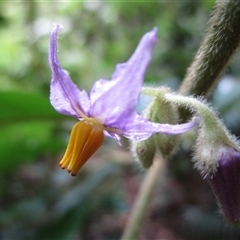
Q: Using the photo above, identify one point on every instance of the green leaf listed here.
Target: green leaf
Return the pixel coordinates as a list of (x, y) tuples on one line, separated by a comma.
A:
[(24, 142), (18, 106), (27, 124)]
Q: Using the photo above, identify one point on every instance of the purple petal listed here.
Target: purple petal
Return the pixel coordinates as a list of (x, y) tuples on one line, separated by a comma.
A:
[(116, 100), (142, 129), (65, 96), (115, 136), (99, 87), (226, 183)]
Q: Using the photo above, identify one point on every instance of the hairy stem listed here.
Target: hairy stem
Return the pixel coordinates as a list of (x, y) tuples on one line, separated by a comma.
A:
[(221, 40), (155, 173)]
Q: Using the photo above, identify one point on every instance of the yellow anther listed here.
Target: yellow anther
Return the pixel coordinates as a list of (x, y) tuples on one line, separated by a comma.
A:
[(86, 137)]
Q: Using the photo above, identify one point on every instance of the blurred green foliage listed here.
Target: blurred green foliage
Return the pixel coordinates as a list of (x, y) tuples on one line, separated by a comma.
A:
[(37, 200)]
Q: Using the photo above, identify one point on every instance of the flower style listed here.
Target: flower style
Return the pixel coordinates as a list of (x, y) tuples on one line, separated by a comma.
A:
[(109, 109)]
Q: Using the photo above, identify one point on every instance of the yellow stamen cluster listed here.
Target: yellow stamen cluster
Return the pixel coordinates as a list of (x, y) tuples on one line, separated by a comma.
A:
[(86, 137)]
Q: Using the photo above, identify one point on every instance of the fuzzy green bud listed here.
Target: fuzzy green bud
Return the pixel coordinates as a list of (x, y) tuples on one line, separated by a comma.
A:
[(161, 111), (144, 151), (212, 138)]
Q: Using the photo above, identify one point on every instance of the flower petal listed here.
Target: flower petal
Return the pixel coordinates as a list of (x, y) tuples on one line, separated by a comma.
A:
[(65, 96), (114, 136), (142, 129), (117, 99), (99, 87)]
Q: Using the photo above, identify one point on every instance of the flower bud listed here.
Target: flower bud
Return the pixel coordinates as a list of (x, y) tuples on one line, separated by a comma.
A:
[(217, 157), (225, 182), (161, 111), (144, 151)]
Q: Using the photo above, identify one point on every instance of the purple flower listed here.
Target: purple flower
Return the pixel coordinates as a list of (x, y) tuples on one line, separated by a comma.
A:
[(109, 109), (225, 183)]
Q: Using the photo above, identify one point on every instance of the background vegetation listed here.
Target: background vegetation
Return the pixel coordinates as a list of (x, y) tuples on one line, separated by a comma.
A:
[(40, 201)]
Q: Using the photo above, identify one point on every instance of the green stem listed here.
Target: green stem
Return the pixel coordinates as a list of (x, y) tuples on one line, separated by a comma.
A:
[(155, 174), (210, 122)]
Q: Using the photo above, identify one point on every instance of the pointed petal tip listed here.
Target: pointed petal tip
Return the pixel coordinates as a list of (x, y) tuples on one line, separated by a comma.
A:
[(150, 38), (154, 30), (57, 26), (153, 34), (53, 45)]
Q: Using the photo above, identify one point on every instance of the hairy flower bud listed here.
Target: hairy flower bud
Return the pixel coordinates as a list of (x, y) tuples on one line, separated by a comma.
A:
[(158, 111), (144, 151), (161, 111), (217, 157), (225, 183)]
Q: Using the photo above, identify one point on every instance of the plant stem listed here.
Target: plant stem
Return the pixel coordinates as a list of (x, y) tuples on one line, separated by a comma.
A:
[(221, 40), (143, 200)]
